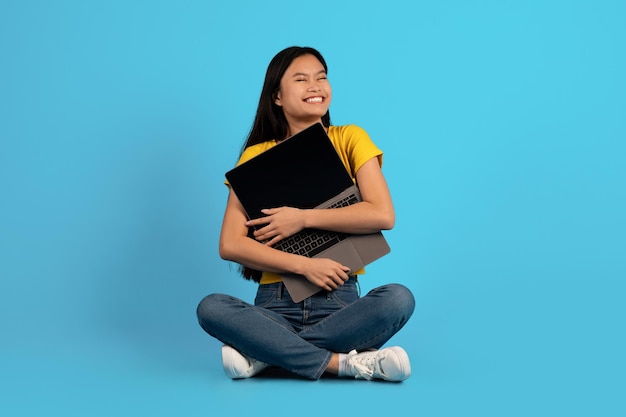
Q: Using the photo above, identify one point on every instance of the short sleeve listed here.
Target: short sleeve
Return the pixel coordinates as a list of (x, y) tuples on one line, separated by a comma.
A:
[(354, 146)]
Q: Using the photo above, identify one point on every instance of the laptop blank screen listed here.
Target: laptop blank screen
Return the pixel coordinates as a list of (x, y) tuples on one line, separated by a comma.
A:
[(303, 171)]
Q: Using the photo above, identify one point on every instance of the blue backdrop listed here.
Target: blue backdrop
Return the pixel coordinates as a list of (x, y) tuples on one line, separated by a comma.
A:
[(503, 125)]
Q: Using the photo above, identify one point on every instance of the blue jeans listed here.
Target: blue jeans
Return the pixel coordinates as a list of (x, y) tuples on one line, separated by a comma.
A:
[(302, 337)]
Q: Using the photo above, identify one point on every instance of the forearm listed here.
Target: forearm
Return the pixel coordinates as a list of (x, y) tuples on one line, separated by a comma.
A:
[(373, 214), (256, 255), (360, 218)]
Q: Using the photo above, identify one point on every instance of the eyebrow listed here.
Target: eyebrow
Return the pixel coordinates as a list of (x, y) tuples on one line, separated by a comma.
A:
[(300, 74)]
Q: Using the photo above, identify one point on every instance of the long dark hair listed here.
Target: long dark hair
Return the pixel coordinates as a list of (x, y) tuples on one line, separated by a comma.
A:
[(269, 121)]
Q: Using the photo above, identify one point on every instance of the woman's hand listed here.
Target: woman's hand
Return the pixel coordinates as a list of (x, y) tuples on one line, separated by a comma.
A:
[(326, 273), (279, 223)]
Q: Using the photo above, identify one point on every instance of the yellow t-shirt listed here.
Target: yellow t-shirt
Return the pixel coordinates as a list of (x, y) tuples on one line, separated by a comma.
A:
[(354, 147)]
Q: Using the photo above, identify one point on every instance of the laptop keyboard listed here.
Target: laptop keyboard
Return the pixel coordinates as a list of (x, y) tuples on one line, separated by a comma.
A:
[(310, 242)]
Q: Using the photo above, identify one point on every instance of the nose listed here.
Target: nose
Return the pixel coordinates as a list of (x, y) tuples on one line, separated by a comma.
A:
[(314, 86)]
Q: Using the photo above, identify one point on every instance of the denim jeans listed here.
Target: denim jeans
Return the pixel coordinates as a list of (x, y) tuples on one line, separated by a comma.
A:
[(301, 337)]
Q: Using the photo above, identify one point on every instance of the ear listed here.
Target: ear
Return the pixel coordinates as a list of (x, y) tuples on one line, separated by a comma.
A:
[(277, 98)]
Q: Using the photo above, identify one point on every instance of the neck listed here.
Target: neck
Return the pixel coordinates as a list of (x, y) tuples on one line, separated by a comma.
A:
[(298, 126)]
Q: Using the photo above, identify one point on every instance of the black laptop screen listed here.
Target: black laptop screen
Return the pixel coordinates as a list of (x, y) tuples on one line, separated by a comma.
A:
[(303, 171)]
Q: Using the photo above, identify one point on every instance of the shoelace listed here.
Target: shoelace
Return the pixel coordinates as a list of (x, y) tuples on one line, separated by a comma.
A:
[(365, 365)]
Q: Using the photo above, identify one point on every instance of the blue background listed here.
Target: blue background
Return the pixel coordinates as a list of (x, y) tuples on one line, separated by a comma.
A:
[(503, 125)]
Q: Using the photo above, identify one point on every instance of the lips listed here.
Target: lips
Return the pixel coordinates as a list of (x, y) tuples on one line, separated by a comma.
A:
[(314, 100)]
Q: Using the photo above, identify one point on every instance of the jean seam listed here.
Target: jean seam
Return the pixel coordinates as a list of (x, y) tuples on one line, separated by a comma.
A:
[(276, 296), (320, 371)]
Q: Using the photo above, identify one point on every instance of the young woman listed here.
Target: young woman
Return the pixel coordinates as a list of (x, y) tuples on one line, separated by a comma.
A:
[(335, 331)]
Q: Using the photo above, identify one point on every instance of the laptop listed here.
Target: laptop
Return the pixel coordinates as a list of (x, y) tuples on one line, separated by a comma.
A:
[(305, 171)]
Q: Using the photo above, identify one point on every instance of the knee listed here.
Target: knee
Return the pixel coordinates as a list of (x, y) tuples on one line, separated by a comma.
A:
[(404, 297), (211, 308), (398, 299)]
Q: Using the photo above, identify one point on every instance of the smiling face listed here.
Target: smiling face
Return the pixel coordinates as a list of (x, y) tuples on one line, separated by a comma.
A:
[(304, 93)]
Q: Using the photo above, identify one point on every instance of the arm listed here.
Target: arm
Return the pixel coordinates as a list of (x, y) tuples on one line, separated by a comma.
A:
[(373, 214), (235, 245)]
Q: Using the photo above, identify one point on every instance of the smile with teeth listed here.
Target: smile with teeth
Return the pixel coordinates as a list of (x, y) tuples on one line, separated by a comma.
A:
[(314, 99)]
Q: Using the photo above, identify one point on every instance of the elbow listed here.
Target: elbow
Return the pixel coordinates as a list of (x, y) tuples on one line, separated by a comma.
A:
[(226, 251), (223, 252), (388, 220)]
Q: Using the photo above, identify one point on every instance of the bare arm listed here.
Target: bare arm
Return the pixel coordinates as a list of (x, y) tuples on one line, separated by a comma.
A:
[(373, 214), (236, 246)]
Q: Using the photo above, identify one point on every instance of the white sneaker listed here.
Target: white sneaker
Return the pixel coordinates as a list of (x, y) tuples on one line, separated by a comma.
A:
[(390, 364), (238, 366)]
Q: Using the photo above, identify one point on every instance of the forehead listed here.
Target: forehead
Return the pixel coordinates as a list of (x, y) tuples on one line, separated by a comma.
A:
[(305, 64)]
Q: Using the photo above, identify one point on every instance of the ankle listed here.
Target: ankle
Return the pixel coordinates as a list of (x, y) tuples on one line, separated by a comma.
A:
[(343, 367), (333, 366)]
